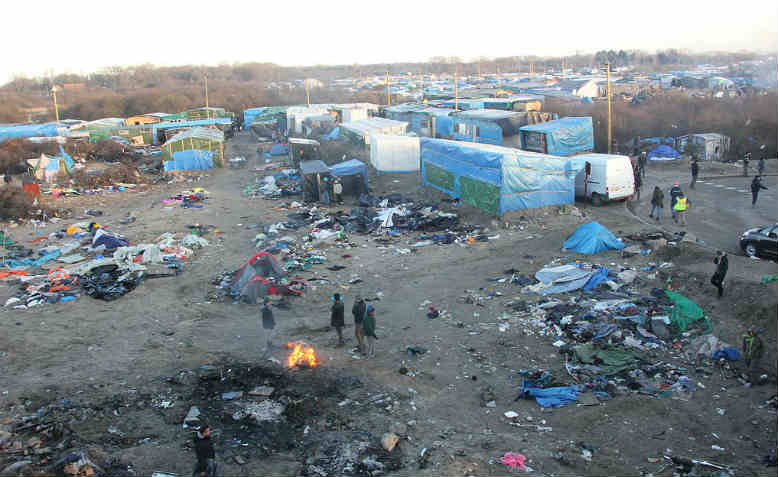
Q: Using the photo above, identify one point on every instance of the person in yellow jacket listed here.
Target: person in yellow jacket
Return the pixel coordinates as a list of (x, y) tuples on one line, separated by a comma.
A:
[(682, 204)]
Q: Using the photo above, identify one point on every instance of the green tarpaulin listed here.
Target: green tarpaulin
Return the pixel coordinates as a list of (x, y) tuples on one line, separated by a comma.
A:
[(684, 311), (610, 359)]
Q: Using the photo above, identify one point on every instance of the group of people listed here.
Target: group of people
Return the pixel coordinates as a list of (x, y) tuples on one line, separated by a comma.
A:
[(364, 323), (679, 204)]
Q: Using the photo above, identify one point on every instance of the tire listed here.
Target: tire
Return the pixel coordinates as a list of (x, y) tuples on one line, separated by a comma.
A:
[(597, 199), (750, 250)]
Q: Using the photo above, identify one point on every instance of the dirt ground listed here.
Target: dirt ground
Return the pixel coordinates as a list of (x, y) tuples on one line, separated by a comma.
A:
[(110, 365)]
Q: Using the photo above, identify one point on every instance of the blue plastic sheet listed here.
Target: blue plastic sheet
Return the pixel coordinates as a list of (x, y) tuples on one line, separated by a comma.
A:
[(190, 160), (596, 279), (552, 397), (279, 150), (663, 152), (592, 238), (729, 353), (526, 180), (564, 136), (334, 134), (29, 262), (12, 131), (350, 168)]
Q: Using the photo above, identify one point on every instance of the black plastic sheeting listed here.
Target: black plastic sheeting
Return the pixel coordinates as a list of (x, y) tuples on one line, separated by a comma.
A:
[(109, 282)]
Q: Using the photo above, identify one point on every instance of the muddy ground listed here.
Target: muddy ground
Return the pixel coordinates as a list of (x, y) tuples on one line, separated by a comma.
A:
[(122, 375)]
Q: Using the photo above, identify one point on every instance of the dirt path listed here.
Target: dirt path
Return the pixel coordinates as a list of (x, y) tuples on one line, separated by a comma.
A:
[(88, 350)]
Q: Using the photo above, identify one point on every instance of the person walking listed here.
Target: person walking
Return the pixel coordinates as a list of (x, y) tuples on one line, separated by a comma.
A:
[(643, 161), (268, 323), (657, 203), (722, 265), (369, 326), (756, 186), (638, 182), (760, 165), (682, 204), (206, 456), (695, 170), (675, 192), (746, 158), (336, 318), (752, 353), (358, 311)]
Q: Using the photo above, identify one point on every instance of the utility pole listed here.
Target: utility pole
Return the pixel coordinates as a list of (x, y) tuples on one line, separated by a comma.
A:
[(388, 96), (207, 109), (456, 95), (610, 110), (421, 83), (56, 108), (308, 92)]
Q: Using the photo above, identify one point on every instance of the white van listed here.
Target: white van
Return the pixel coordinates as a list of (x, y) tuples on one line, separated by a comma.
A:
[(611, 177)]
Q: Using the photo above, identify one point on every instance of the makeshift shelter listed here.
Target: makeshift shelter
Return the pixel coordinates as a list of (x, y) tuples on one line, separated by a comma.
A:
[(303, 150), (562, 137), (353, 176), (192, 160), (359, 131), (12, 131), (320, 125), (197, 138), (316, 180), (487, 126), (296, 115), (592, 238), (264, 121), (421, 119), (395, 153), (260, 276), (496, 179), (279, 149), (711, 146), (663, 152), (47, 167)]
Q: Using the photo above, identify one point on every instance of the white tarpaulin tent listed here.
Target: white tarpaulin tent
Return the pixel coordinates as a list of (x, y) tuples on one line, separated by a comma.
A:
[(361, 130), (394, 153)]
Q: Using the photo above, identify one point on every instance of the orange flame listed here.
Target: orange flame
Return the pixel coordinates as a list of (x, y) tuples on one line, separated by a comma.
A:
[(302, 354)]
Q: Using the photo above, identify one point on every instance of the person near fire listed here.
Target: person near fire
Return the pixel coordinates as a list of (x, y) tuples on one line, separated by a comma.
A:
[(336, 317), (268, 323)]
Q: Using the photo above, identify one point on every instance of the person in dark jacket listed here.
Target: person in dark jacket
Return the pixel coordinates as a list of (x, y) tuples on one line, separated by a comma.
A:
[(695, 172), (369, 325), (756, 186), (268, 323), (760, 165), (657, 203), (675, 193), (642, 161), (359, 310), (722, 265), (206, 456), (638, 182), (752, 353), (336, 318)]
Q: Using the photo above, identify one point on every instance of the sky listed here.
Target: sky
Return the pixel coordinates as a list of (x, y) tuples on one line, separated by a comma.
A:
[(81, 36)]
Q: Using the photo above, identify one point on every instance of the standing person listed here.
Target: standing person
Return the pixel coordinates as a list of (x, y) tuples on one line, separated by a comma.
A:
[(336, 318), (359, 310), (745, 164), (675, 192), (337, 191), (760, 166), (682, 204), (7, 178), (638, 182), (268, 323), (643, 161), (695, 171), (752, 352), (206, 456), (756, 186), (657, 203), (369, 326), (722, 265)]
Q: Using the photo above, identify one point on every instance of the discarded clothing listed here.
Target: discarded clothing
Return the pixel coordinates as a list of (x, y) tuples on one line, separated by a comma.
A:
[(513, 460), (109, 282), (109, 241), (28, 262), (561, 279), (552, 397), (610, 359)]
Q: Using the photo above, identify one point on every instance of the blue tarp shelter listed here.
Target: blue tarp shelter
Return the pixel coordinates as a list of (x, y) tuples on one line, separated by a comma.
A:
[(592, 238), (334, 134), (279, 150), (352, 167), (13, 131), (561, 137), (190, 160), (663, 152), (496, 179)]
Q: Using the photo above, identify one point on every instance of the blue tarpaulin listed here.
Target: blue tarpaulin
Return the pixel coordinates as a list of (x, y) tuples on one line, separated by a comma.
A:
[(190, 160), (552, 397), (334, 134), (592, 238), (29, 262), (12, 131), (279, 150), (563, 137), (496, 179), (663, 152), (350, 168)]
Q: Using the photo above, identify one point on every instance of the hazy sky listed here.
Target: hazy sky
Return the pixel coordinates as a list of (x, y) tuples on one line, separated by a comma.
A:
[(80, 36)]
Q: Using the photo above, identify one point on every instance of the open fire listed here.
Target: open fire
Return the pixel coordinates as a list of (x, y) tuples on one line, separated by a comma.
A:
[(302, 355)]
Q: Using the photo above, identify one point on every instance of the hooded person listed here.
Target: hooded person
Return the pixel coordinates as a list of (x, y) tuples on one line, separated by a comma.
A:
[(657, 203), (675, 192), (337, 320), (722, 265), (206, 455), (369, 326)]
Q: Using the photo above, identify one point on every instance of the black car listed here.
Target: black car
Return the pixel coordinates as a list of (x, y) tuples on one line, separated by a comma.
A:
[(761, 241)]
